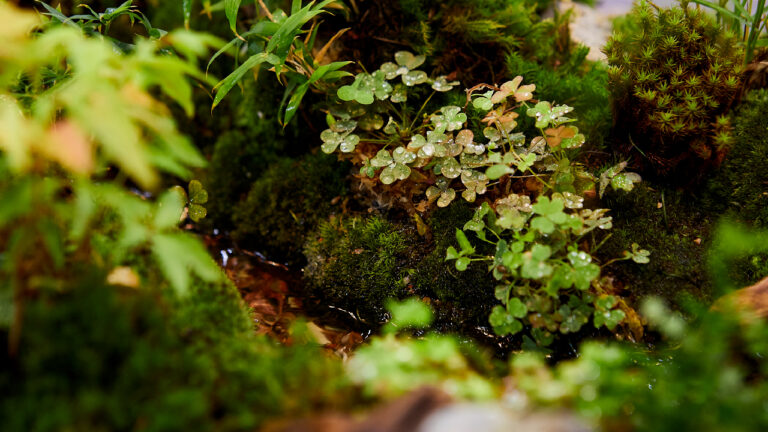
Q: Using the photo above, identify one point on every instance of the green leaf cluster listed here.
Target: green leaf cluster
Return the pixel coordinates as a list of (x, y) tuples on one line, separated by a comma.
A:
[(606, 381), (94, 23), (454, 145), (275, 40), (392, 365), (548, 283), (87, 135)]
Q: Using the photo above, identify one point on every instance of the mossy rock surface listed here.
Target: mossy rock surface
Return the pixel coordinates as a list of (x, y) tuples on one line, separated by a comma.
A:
[(359, 263), (738, 190), (469, 293), (286, 202), (740, 187), (672, 226), (98, 357), (254, 142)]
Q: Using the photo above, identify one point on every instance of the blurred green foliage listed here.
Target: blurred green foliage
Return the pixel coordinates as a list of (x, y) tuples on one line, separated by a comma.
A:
[(90, 241), (392, 365), (245, 150), (709, 376), (100, 357)]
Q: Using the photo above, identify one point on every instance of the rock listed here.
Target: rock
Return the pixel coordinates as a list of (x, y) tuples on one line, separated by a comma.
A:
[(592, 26), (753, 300), (495, 418), (431, 410)]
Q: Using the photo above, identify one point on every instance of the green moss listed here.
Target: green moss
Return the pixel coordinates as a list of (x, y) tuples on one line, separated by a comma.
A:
[(357, 264), (668, 224), (740, 187), (673, 76), (467, 39), (468, 294), (284, 204), (242, 154), (96, 357)]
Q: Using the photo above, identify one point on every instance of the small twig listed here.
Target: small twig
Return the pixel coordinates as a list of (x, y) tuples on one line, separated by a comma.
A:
[(390, 41), (266, 10)]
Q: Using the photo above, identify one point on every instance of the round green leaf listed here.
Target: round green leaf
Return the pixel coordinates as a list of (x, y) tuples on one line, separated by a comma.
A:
[(446, 197), (450, 168), (382, 158), (197, 194), (497, 171), (407, 59), (516, 308), (197, 212), (413, 78), (482, 103), (462, 263)]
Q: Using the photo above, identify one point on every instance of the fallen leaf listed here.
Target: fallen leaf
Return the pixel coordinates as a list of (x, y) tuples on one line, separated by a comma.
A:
[(124, 276)]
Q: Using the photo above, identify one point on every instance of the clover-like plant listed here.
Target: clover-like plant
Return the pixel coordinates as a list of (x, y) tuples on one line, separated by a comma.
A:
[(532, 207), (548, 282), (195, 199), (442, 152)]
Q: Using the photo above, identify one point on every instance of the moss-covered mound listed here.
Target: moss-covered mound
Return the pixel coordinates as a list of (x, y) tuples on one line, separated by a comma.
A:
[(673, 227), (673, 78), (289, 199), (739, 189), (96, 357), (740, 186), (357, 264), (469, 294), (241, 154)]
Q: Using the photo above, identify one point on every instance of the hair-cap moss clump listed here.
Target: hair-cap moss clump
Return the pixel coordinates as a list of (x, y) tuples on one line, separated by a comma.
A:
[(288, 201), (672, 79), (671, 225), (98, 357)]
